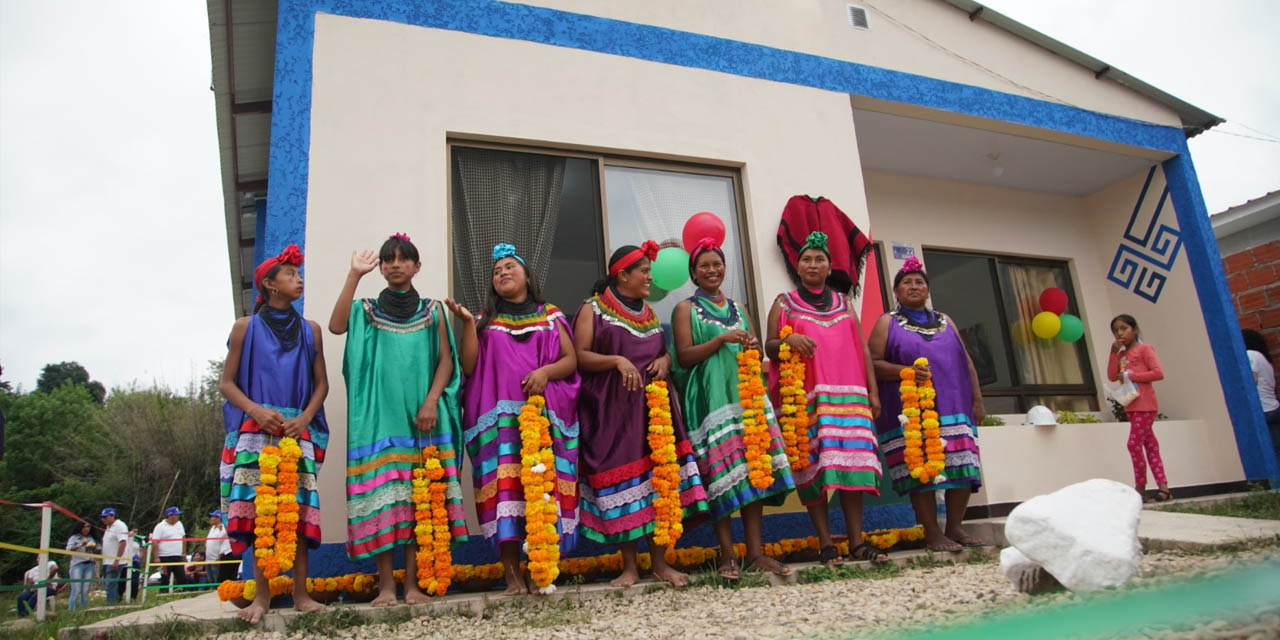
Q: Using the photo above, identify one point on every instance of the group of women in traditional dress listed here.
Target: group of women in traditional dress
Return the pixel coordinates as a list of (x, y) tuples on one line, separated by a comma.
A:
[(416, 378)]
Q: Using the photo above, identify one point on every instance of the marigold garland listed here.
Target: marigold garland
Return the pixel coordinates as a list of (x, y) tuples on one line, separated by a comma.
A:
[(265, 509), (538, 477), (667, 523), (794, 420), (434, 559), (921, 431), (755, 423), (287, 509)]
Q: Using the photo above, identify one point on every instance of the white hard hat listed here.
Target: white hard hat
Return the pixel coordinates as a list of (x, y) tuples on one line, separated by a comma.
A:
[(1041, 416)]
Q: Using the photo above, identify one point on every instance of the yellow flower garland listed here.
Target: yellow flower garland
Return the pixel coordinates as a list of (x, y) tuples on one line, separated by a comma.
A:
[(794, 420), (541, 511), (668, 516), (286, 548), (921, 431), (755, 422), (434, 559), (265, 509)]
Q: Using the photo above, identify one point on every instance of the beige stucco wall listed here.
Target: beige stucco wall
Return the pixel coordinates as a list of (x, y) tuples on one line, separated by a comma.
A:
[(956, 49), (1198, 446), (386, 96)]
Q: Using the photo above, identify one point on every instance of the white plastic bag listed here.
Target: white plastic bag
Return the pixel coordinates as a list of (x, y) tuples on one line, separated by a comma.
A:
[(1124, 391)]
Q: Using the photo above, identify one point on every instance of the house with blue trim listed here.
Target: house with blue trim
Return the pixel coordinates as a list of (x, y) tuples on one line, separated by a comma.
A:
[(1006, 161)]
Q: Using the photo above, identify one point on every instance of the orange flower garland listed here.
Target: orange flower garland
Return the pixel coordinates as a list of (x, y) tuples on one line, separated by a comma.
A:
[(287, 509), (265, 509), (538, 477), (434, 560), (667, 525), (755, 423), (794, 420), (921, 430)]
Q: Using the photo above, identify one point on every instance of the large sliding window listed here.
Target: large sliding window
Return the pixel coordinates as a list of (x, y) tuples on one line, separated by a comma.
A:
[(566, 211), (992, 300)]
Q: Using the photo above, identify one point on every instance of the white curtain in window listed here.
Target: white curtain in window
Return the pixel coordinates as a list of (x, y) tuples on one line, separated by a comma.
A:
[(1039, 361), (649, 204)]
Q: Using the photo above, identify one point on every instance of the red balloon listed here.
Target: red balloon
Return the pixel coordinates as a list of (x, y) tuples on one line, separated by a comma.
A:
[(703, 224), (1053, 300)]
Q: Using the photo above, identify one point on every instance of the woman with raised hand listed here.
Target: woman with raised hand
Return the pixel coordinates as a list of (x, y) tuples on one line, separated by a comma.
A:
[(710, 331), (625, 494), (841, 395), (520, 346), (402, 380)]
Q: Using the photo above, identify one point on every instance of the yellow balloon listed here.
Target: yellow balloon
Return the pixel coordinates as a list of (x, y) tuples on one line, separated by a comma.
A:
[(1046, 325), (1020, 333)]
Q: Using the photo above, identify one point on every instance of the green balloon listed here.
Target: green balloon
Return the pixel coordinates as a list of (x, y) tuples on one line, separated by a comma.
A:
[(1072, 328), (656, 293), (671, 269)]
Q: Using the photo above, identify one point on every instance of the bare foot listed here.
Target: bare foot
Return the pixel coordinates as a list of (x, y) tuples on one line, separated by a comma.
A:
[(943, 544), (305, 603), (676, 578), (415, 596), (628, 578), (386, 598), (765, 563), (254, 612)]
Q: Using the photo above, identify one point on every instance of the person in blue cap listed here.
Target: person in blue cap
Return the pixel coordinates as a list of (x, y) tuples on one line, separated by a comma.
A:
[(218, 547), (115, 536), (168, 544)]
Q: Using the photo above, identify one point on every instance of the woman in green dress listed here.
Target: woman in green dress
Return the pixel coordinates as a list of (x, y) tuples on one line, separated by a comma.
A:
[(402, 379), (710, 330)]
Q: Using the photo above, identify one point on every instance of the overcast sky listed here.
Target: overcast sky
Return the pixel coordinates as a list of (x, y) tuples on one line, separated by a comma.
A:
[(112, 246)]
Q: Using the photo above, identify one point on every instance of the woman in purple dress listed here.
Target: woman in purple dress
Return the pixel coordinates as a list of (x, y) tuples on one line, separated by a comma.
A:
[(519, 346), (913, 331), (275, 384), (620, 350)]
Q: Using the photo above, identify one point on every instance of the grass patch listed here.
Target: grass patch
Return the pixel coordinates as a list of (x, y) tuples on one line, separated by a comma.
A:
[(1260, 505), (848, 572), (64, 619), (747, 580), (325, 622)]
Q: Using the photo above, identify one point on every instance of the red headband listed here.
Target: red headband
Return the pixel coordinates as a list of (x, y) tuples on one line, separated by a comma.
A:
[(291, 255), (647, 250)]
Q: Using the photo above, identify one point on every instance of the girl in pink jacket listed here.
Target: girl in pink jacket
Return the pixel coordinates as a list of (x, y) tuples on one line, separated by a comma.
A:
[(1130, 355)]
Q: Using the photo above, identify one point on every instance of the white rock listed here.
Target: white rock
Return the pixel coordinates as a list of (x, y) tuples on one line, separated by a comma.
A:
[(1085, 534)]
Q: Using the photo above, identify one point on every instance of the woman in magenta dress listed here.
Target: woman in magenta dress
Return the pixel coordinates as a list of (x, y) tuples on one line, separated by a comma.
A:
[(620, 349), (275, 383), (913, 331), (520, 346), (842, 398)]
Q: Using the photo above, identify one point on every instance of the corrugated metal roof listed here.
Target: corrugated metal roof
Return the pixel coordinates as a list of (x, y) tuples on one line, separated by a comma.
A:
[(1194, 119)]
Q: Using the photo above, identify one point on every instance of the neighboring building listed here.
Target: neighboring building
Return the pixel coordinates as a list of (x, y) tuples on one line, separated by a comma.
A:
[(1008, 162), (1249, 240)]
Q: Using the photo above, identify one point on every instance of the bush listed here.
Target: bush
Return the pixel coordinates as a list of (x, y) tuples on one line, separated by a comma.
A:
[(991, 421)]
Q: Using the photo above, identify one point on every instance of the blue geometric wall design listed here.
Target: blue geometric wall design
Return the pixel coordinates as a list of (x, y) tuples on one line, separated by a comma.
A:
[(1142, 262)]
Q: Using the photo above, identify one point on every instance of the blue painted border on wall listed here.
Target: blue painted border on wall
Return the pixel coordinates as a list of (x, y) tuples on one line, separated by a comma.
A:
[(1241, 394), (291, 130)]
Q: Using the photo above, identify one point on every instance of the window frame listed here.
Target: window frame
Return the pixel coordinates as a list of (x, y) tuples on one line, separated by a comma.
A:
[(1021, 391), (605, 158)]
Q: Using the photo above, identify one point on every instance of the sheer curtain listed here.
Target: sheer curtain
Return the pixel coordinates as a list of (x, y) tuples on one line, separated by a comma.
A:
[(1039, 361), (651, 204), (502, 196)]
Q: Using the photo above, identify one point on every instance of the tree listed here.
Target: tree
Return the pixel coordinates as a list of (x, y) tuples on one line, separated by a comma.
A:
[(56, 375)]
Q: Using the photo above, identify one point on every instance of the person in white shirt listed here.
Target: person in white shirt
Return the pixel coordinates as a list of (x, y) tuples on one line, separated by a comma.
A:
[(114, 541), (167, 546), (215, 549), (1264, 375), (27, 600)]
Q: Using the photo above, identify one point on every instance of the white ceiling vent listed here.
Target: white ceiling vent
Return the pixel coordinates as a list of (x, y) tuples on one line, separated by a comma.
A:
[(857, 16)]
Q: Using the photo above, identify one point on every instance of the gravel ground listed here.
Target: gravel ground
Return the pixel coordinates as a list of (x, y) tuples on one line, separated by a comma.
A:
[(924, 596)]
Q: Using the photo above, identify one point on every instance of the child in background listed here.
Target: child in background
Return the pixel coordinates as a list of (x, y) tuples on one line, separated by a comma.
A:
[(1129, 354)]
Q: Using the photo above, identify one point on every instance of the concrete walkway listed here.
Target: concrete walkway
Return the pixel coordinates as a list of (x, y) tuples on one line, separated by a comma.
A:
[(1156, 528)]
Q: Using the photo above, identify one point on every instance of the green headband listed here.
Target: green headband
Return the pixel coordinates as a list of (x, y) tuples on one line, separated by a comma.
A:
[(815, 240)]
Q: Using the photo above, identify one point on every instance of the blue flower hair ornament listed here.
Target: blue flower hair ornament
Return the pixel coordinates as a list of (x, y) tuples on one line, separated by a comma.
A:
[(504, 250)]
